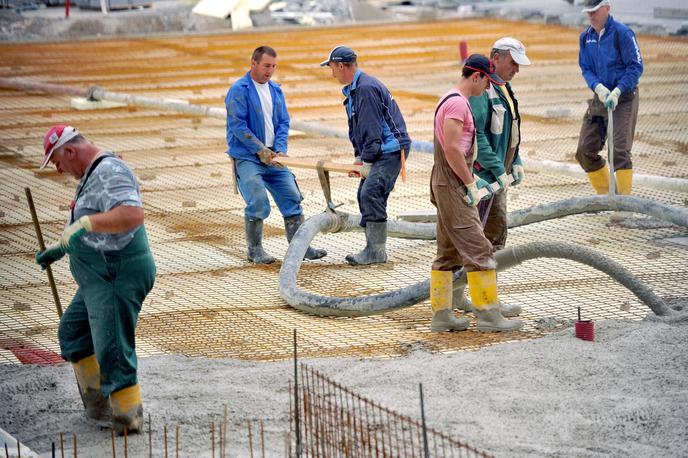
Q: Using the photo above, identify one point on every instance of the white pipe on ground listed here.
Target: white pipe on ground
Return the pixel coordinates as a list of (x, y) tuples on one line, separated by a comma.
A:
[(98, 93)]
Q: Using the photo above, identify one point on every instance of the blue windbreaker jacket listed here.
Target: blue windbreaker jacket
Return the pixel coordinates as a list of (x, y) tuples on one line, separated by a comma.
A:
[(613, 60), (245, 123), (376, 125)]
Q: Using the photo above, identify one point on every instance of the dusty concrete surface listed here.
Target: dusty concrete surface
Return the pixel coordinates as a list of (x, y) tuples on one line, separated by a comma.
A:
[(622, 395)]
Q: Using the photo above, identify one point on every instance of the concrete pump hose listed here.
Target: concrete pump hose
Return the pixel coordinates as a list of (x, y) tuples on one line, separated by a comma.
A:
[(418, 292), (674, 215), (515, 255)]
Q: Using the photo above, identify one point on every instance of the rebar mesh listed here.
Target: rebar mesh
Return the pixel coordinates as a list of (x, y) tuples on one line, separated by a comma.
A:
[(208, 300), (334, 421)]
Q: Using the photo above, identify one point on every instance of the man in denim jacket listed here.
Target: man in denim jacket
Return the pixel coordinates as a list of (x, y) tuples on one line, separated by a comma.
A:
[(257, 131)]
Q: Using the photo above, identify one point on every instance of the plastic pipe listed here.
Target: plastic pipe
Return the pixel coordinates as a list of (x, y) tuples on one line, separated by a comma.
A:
[(98, 93)]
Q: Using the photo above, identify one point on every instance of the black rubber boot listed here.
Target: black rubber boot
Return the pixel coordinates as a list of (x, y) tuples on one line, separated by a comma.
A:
[(254, 242), (291, 225), (374, 252)]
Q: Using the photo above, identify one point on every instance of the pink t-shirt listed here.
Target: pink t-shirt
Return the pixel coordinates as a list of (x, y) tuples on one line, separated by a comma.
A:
[(459, 109)]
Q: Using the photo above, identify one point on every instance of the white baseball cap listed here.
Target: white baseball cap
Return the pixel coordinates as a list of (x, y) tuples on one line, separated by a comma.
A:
[(593, 5), (515, 48)]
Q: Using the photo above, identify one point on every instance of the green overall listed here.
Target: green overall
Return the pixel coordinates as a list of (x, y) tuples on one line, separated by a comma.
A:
[(102, 316)]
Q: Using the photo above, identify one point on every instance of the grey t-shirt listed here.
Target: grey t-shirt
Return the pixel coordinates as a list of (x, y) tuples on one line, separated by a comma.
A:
[(111, 184)]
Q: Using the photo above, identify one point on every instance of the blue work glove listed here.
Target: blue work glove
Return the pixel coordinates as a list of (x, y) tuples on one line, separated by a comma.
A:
[(49, 255), (612, 99), (518, 173), (602, 92), (474, 193)]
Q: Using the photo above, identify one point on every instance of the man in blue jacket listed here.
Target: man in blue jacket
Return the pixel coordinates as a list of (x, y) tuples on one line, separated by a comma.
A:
[(257, 131), (610, 60), (378, 134)]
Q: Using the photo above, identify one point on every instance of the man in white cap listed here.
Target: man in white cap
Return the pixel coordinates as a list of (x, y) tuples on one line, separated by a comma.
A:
[(611, 63), (114, 270), (498, 135)]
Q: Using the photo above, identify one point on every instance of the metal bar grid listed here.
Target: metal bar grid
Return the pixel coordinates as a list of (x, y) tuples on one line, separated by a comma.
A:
[(208, 301)]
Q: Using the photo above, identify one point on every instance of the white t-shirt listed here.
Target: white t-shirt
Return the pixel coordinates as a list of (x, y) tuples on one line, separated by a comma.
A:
[(266, 105)]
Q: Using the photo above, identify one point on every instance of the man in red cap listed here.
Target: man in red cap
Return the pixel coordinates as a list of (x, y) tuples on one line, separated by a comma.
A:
[(114, 270)]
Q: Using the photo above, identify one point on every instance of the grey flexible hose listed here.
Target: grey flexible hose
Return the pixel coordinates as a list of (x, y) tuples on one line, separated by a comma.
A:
[(410, 295)]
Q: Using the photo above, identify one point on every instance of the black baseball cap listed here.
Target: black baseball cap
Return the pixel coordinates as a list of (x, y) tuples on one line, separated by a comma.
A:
[(482, 64)]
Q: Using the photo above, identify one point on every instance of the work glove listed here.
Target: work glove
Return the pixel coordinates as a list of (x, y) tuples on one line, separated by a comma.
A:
[(278, 164), (612, 99), (602, 92), (365, 169), (265, 155), (518, 173), (473, 191), (65, 244), (51, 254), (503, 181)]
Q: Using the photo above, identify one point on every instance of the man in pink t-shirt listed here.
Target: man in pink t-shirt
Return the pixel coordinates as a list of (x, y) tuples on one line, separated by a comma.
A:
[(455, 191)]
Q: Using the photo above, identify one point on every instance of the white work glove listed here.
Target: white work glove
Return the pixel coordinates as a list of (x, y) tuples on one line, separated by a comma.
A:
[(602, 92), (503, 181), (278, 164), (518, 173), (265, 155), (365, 169), (612, 99), (473, 191)]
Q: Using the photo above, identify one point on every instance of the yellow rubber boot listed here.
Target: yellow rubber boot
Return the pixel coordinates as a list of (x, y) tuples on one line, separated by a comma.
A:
[(127, 410), (443, 318), (599, 179), (483, 287), (87, 373), (624, 181)]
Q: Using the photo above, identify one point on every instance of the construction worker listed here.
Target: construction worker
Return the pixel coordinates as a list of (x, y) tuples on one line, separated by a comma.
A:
[(378, 134), (114, 271), (454, 190), (257, 131), (498, 136), (610, 60)]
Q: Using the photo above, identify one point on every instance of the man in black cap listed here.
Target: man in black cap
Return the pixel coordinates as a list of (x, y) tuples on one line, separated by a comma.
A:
[(610, 60), (378, 134), (455, 191)]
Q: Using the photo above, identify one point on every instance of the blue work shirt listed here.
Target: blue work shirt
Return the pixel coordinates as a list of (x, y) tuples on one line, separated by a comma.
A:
[(612, 59), (376, 125), (245, 123)]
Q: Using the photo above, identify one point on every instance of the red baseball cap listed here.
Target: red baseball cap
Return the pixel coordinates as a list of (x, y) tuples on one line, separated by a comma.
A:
[(56, 137)]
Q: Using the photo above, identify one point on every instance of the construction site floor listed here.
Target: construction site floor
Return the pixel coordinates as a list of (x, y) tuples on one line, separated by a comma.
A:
[(208, 300)]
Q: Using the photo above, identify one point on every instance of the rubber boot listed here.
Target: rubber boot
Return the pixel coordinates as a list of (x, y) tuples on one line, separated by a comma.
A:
[(624, 185), (599, 179), (254, 242), (441, 301), (87, 373), (291, 225), (463, 303), (624, 181), (374, 251), (483, 287), (127, 410)]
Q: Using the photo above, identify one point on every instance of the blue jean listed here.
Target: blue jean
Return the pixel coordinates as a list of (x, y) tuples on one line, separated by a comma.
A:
[(102, 316), (373, 191), (255, 179)]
